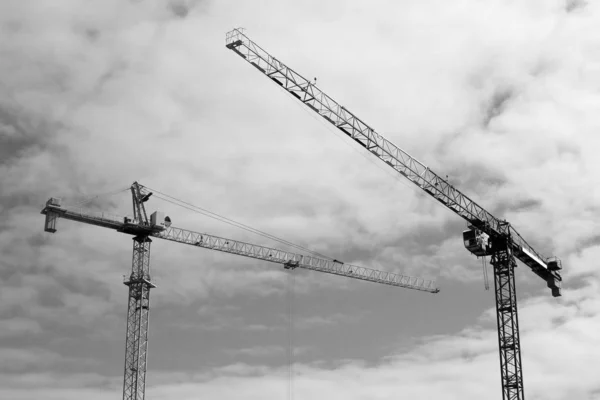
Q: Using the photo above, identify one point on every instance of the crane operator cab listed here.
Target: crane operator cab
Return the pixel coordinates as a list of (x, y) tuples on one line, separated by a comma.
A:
[(159, 222), (476, 242)]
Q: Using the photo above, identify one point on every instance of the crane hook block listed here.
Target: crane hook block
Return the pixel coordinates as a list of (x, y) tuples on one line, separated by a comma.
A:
[(291, 264)]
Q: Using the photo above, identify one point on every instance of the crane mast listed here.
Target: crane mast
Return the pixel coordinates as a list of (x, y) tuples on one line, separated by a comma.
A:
[(487, 235), (140, 283)]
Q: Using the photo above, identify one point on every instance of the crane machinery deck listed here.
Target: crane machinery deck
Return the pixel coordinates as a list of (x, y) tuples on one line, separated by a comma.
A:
[(486, 236), (140, 282)]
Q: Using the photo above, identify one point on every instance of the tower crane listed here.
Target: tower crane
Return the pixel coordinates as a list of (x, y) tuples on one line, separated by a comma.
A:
[(486, 236), (143, 228)]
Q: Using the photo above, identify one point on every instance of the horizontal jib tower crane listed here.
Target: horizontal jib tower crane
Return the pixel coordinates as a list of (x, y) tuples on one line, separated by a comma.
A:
[(139, 281), (486, 236)]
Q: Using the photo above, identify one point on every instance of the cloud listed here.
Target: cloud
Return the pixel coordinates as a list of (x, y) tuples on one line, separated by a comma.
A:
[(502, 98), (435, 368), (18, 327), (439, 365), (259, 351), (335, 319)]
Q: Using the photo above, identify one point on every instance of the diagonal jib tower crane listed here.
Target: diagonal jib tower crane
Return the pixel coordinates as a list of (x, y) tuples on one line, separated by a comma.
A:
[(486, 236), (143, 228)]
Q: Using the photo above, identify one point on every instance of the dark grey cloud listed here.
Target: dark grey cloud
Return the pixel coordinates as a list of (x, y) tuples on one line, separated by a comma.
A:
[(475, 179), (179, 8), (574, 5), (419, 240), (92, 34), (110, 118), (497, 104), (569, 148), (182, 8), (53, 282), (516, 205), (20, 133), (590, 241), (25, 137)]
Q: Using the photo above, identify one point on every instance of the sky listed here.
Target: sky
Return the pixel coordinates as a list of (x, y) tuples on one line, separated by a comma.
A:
[(501, 96)]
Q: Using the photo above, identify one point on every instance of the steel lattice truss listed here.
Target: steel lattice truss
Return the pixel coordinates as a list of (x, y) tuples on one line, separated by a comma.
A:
[(289, 259), (136, 344), (422, 176), (293, 260), (508, 326)]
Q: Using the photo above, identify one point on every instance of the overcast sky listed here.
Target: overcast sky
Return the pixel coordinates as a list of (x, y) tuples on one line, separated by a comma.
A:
[(501, 96)]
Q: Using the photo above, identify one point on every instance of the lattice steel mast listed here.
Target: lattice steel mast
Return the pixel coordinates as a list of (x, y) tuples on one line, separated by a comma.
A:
[(140, 282), (488, 235), (138, 309)]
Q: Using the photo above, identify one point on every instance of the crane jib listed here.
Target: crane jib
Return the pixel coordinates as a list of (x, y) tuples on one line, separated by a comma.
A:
[(53, 211), (422, 176)]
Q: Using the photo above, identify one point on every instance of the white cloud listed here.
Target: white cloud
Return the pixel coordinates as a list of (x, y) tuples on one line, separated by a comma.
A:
[(503, 97)]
